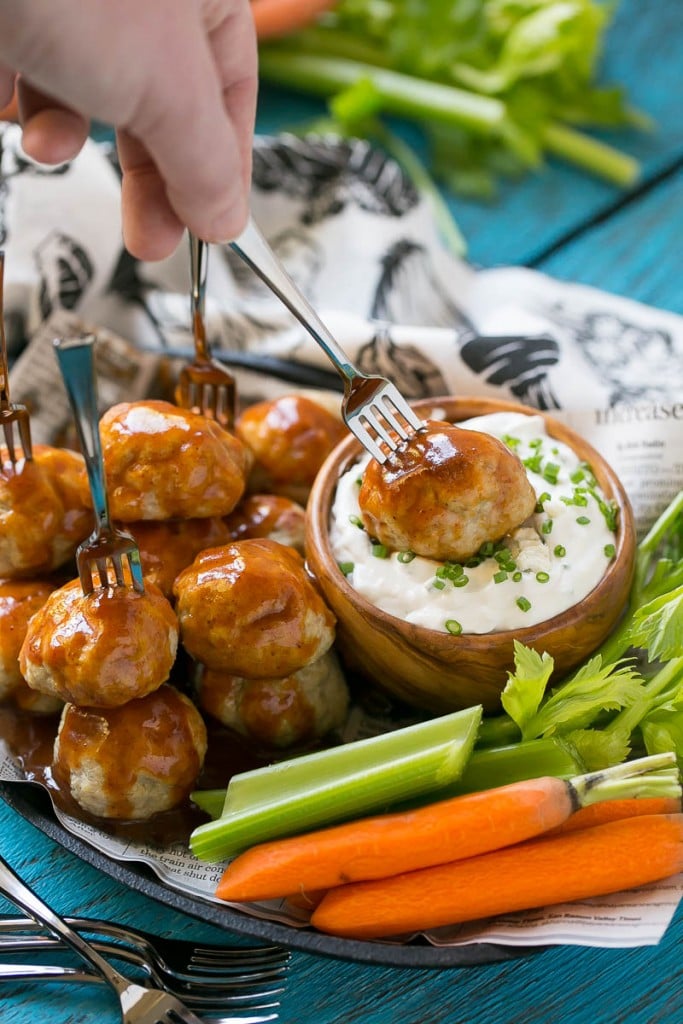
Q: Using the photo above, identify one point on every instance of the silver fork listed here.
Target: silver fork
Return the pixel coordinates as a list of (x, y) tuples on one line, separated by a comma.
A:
[(71, 975), (253, 1009), (176, 961), (11, 414), (372, 407), (204, 385), (107, 547), (139, 1005)]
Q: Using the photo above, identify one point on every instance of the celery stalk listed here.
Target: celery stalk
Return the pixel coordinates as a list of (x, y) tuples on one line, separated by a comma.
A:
[(332, 785), (530, 759), (400, 94), (209, 800), (592, 155)]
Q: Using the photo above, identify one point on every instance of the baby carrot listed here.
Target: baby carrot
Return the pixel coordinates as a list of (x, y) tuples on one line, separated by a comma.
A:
[(274, 18), (447, 830), (590, 862), (391, 843), (613, 810)]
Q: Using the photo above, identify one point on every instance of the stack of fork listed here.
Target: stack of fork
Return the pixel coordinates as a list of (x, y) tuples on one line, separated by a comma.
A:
[(225, 984)]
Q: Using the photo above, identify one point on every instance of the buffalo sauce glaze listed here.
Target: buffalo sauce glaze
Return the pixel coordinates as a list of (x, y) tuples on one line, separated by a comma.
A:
[(163, 462), (104, 648), (30, 739), (151, 736)]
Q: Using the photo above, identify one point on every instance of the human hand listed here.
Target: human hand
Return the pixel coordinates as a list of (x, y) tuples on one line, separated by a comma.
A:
[(176, 78)]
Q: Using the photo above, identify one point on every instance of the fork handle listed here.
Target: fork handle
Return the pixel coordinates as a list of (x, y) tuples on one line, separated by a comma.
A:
[(46, 972), (19, 893), (76, 361), (252, 247), (4, 370), (199, 266)]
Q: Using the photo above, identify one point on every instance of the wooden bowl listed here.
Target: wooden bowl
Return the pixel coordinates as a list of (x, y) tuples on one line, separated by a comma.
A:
[(437, 671)]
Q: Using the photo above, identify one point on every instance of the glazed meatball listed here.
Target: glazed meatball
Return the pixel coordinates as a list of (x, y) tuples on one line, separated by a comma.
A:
[(278, 712), (251, 608), (290, 438), (19, 600), (269, 515), (103, 649), (45, 511), (445, 492), (132, 761), (163, 462), (168, 547)]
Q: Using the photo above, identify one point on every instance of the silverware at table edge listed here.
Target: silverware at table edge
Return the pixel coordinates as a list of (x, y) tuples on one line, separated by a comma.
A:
[(138, 1005), (211, 1010), (182, 959)]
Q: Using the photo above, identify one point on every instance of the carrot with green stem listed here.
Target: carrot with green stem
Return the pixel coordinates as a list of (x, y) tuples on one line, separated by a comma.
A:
[(447, 830), (615, 810), (591, 862)]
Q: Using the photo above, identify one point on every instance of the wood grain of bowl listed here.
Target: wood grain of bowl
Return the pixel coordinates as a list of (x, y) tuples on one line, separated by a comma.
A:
[(437, 671)]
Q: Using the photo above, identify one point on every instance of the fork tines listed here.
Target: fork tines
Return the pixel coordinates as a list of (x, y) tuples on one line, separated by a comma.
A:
[(114, 560), (12, 415), (209, 390), (379, 416)]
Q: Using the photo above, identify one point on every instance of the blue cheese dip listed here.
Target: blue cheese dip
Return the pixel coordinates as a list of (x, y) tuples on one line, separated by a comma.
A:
[(549, 563)]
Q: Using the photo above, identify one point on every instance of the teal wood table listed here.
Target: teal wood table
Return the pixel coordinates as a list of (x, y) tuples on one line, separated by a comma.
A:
[(576, 229)]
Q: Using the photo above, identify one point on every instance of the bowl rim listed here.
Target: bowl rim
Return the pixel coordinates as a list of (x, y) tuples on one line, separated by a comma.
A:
[(348, 451)]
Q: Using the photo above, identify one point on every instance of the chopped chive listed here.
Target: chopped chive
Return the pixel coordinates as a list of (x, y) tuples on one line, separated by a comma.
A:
[(541, 500), (610, 550), (517, 576), (523, 603), (449, 571), (551, 472), (542, 577), (346, 567), (359, 481), (473, 562), (536, 442), (577, 476), (510, 441), (461, 581), (487, 549), (453, 626), (533, 463), (438, 584), (380, 550), (547, 527), (609, 511), (583, 520), (356, 521), (559, 551), (405, 556), (500, 577)]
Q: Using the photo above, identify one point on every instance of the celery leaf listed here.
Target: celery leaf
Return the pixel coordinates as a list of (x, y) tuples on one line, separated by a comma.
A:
[(526, 685), (658, 626), (598, 749), (595, 687)]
